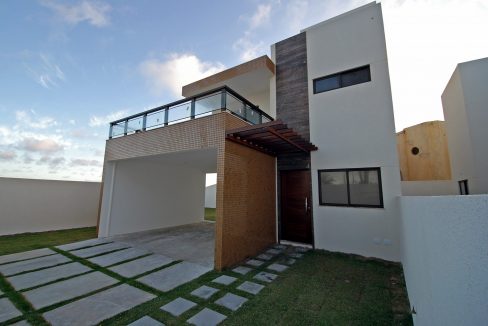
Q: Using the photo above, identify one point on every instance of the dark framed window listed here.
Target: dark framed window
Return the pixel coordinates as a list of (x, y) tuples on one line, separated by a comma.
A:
[(463, 187), (351, 187), (342, 79)]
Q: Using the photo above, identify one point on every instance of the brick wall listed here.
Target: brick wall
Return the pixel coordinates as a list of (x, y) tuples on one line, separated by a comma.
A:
[(246, 199)]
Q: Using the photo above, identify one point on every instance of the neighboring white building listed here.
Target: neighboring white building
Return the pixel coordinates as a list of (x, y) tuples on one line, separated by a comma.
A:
[(465, 103)]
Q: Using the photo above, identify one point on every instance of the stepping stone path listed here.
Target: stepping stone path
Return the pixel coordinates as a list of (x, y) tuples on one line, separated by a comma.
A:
[(277, 267), (301, 249), (242, 270), (224, 280), (204, 292), (250, 287), (178, 306), (98, 307), (141, 265), (254, 262), (265, 277), (206, 317), (146, 321), (98, 250), (118, 256), (289, 261), (32, 264), (295, 255), (32, 279), (8, 310), (83, 244), (174, 276), (26, 255), (231, 301), (21, 323), (280, 247), (68, 289)]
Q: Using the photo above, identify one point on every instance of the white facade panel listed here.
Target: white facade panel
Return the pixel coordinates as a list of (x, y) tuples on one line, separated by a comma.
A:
[(353, 127)]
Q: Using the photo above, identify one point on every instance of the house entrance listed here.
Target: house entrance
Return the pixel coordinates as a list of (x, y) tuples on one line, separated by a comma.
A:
[(296, 214)]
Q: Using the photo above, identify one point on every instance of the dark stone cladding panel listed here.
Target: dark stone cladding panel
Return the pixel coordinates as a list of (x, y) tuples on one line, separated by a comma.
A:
[(292, 95)]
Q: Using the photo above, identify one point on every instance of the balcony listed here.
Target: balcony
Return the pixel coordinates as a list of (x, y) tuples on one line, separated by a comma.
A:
[(222, 99)]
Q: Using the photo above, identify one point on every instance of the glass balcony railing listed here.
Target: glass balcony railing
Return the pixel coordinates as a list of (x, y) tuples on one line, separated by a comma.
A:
[(217, 100)]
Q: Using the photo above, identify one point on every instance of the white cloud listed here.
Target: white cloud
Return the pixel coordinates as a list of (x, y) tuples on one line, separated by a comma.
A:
[(51, 162), (97, 121), (95, 13), (176, 71), (47, 145), (25, 118), (47, 74), (248, 49), (260, 17), (85, 162), (7, 155)]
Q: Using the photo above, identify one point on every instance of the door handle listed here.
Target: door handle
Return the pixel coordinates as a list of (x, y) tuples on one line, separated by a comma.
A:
[(306, 204)]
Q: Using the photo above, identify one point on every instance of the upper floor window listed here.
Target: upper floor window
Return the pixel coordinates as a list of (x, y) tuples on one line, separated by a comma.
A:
[(342, 79)]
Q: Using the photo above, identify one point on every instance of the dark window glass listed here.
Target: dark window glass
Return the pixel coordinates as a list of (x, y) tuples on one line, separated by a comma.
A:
[(342, 79), (327, 84), (351, 187), (463, 187), (356, 76)]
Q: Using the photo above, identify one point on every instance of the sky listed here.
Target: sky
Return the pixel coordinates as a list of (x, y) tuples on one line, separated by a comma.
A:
[(68, 68)]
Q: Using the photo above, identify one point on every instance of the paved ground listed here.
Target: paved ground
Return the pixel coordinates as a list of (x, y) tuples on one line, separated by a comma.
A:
[(194, 243), (89, 279)]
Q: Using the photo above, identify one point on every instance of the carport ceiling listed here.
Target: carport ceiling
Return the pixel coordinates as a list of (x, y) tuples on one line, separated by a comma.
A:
[(204, 160)]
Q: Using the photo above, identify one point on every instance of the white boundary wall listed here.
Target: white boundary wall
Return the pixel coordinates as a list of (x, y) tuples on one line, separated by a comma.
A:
[(445, 258), (30, 205), (430, 188)]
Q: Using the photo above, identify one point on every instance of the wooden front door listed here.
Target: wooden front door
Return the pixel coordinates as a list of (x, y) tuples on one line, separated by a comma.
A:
[(296, 215)]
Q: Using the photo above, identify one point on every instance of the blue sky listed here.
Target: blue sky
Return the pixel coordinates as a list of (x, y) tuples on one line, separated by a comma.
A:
[(70, 67)]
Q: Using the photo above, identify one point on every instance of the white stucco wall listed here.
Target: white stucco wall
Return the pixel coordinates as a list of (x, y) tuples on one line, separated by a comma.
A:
[(445, 259), (144, 195), (29, 205), (210, 196), (465, 104), (430, 188), (353, 127)]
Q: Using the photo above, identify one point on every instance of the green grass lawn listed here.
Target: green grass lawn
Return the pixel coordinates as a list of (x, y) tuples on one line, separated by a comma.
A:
[(322, 288), (10, 244), (210, 214)]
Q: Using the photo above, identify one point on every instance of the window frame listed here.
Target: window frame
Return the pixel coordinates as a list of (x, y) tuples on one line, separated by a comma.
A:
[(340, 74), (380, 187), (463, 187)]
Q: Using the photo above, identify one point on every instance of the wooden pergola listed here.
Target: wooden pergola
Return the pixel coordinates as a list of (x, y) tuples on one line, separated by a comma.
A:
[(273, 138)]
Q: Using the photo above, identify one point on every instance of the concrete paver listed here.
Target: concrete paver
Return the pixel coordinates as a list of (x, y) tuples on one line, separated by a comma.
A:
[(277, 267), (98, 307), (204, 292), (231, 301), (295, 255), (29, 280), (243, 270), (254, 262), (21, 323), (118, 256), (141, 265), (68, 289), (250, 287), (265, 277), (8, 310), (98, 250), (301, 249), (206, 317), (273, 251), (264, 257), (174, 276), (26, 255), (280, 247), (32, 264), (84, 244), (224, 280), (178, 306), (146, 321)]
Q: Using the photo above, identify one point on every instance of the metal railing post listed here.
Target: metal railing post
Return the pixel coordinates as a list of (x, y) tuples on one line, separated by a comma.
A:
[(192, 109), (223, 100), (126, 125), (110, 131), (144, 120), (166, 113)]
